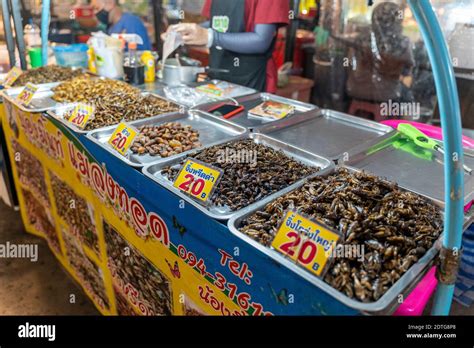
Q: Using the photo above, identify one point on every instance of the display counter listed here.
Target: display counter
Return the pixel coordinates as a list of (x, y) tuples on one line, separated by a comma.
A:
[(139, 246)]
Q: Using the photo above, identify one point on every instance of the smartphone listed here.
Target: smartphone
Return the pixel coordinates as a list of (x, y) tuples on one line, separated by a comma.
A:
[(226, 110)]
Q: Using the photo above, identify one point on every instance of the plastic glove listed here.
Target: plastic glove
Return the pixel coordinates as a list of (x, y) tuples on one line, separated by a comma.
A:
[(193, 34)]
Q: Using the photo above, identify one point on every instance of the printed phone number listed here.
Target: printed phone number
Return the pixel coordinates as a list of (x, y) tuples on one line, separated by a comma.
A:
[(242, 299)]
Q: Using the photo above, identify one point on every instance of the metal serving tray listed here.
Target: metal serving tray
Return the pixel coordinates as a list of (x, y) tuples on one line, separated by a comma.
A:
[(61, 110), (329, 133), (43, 86), (41, 101), (249, 102), (203, 98), (85, 71), (152, 87), (212, 130), (154, 171), (421, 171), (386, 305)]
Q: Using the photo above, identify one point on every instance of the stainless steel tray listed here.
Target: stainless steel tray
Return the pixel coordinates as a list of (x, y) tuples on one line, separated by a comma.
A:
[(43, 86), (249, 102), (152, 87), (212, 130), (203, 98), (385, 305), (329, 133), (41, 101), (154, 171), (85, 71), (416, 172), (61, 110)]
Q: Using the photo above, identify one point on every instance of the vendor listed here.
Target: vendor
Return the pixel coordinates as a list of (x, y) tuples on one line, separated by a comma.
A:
[(111, 14), (384, 58), (241, 35)]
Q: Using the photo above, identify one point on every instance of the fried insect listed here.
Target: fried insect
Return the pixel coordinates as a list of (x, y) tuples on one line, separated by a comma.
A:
[(47, 74), (395, 227), (166, 140), (250, 178), (114, 100)]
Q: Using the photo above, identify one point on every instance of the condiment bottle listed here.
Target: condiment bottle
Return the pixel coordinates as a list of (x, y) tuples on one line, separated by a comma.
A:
[(133, 68), (91, 60), (149, 61)]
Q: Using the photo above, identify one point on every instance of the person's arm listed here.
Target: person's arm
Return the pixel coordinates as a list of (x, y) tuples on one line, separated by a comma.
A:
[(256, 42)]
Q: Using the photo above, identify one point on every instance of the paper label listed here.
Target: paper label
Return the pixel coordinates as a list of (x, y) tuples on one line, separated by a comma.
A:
[(307, 242), (27, 94), (81, 115), (272, 110), (198, 179), (12, 75), (123, 137)]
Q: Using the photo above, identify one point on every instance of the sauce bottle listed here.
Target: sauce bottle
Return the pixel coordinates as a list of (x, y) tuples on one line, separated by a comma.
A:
[(133, 67), (91, 60), (148, 61)]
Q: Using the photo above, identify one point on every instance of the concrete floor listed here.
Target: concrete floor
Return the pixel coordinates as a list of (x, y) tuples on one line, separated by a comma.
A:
[(35, 288), (43, 287)]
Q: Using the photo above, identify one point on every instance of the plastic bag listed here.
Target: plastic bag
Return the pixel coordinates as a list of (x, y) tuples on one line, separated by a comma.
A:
[(172, 42), (184, 95)]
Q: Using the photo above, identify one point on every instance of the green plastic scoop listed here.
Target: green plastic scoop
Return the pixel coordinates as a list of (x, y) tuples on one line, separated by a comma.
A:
[(418, 137), (422, 140)]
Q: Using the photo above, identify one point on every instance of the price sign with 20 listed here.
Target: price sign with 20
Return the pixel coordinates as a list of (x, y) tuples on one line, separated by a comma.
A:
[(12, 76), (27, 94), (198, 179), (81, 115), (306, 242), (123, 138)]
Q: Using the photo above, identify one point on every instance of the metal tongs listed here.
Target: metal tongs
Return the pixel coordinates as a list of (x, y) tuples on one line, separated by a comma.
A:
[(423, 141)]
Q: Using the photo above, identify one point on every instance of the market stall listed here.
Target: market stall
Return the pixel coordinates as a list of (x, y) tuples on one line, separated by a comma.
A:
[(140, 245), (158, 205)]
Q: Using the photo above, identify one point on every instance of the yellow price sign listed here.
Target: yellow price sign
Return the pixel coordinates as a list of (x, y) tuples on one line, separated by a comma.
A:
[(198, 179), (12, 75), (81, 115), (123, 137), (308, 243), (27, 94)]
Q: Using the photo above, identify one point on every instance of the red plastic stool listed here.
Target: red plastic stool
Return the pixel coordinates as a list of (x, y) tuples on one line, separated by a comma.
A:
[(372, 109)]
